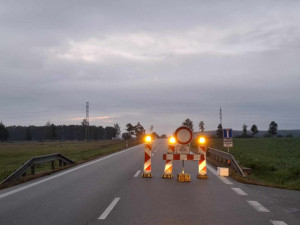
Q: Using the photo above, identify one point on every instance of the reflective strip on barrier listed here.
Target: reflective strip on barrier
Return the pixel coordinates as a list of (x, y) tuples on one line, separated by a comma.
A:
[(202, 167), (168, 167), (183, 157), (147, 161)]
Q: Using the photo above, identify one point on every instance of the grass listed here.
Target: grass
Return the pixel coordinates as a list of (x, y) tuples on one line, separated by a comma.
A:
[(274, 161), (13, 155)]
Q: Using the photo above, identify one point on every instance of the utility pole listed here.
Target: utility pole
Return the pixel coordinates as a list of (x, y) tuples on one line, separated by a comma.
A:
[(220, 115), (87, 121)]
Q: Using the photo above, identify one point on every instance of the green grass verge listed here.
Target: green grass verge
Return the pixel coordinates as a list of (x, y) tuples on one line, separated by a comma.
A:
[(274, 161), (13, 155)]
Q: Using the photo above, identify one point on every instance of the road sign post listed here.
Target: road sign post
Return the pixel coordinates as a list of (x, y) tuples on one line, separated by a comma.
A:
[(227, 140)]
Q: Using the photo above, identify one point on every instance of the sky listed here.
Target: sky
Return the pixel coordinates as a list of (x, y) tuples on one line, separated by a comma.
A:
[(153, 62)]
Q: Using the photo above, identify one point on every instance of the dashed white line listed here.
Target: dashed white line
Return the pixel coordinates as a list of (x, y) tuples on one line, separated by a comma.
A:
[(258, 206), (137, 173), (225, 180), (108, 209), (274, 222), (239, 191)]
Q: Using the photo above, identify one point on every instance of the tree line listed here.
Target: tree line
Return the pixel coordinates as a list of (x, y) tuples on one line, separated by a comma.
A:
[(272, 131), (57, 132)]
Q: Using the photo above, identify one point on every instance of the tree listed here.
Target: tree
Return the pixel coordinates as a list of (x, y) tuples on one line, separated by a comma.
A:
[(188, 123), (118, 129), (245, 133), (53, 132), (254, 129), (219, 131), (201, 126), (126, 136), (154, 135), (4, 133), (139, 130), (163, 136), (110, 132), (28, 135), (273, 128), (129, 128), (47, 131)]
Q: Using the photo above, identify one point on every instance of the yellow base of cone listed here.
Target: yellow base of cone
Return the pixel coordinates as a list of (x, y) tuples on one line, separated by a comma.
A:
[(167, 176), (183, 177), (202, 176), (147, 175)]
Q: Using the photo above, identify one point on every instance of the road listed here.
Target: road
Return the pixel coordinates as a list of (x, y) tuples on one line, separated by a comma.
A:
[(110, 190)]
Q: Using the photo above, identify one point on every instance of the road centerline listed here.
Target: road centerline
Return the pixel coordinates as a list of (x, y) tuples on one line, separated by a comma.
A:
[(258, 206), (275, 222), (239, 191), (137, 173), (109, 209)]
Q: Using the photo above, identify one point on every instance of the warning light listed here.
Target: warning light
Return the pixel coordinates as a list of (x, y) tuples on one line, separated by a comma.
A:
[(202, 140), (148, 139), (172, 140)]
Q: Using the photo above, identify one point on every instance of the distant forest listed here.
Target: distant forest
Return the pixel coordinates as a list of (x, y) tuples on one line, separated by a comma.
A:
[(60, 132)]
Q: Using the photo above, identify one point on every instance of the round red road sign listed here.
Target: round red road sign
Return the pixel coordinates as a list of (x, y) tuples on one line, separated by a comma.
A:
[(183, 135)]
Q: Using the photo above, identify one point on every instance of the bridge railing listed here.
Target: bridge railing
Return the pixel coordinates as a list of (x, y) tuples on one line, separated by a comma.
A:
[(223, 157), (31, 164)]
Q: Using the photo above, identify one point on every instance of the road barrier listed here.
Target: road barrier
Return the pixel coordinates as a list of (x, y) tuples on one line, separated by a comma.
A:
[(169, 163), (225, 158), (147, 161), (202, 162), (31, 164), (179, 149)]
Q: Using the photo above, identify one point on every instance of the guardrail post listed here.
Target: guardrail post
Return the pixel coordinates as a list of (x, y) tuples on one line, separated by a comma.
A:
[(52, 165), (33, 169)]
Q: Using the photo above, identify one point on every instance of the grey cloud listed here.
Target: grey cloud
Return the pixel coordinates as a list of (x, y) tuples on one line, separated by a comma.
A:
[(161, 62)]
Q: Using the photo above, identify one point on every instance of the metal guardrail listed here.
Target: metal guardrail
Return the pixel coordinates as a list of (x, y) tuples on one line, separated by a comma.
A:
[(219, 155), (31, 163)]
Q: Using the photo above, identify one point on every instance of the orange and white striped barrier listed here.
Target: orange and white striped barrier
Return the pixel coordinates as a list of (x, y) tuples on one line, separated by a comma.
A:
[(182, 157), (202, 171), (147, 161), (169, 164)]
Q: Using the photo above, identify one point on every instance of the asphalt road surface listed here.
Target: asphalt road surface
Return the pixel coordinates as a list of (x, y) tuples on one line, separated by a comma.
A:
[(110, 190)]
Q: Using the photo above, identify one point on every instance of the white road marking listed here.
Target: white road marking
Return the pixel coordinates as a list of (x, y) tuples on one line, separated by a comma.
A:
[(108, 209), (274, 222), (137, 173), (225, 180), (152, 154), (239, 191), (62, 173), (258, 206)]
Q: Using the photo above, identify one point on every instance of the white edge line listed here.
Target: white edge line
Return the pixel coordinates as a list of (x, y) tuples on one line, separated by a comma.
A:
[(239, 191), (62, 173), (275, 222), (108, 209), (258, 206), (225, 180), (137, 173)]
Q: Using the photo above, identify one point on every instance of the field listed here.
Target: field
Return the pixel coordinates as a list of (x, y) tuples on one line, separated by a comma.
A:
[(274, 161), (13, 155)]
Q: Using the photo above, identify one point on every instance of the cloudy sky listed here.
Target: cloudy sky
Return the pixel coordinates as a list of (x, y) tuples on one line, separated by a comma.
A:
[(156, 62)]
